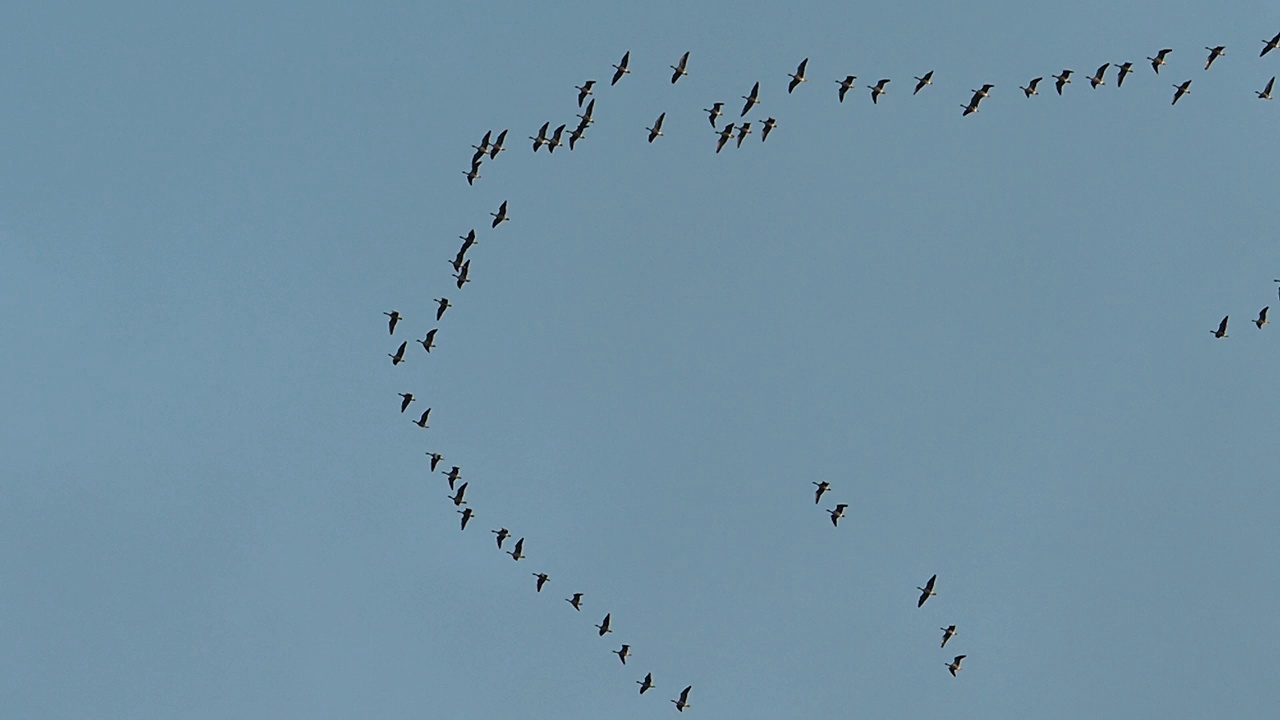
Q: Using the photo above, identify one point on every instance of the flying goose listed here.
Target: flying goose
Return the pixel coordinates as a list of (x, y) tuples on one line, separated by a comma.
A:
[(435, 459), (398, 356), (752, 100), (846, 85), (501, 215), (1221, 332), (502, 534), (406, 398), (1159, 59), (679, 68), (683, 701), (444, 305), (555, 140), (429, 341), (1183, 89), (822, 487), (541, 138), (457, 497), (466, 514), (1266, 91), (714, 112), (646, 684), (1262, 317), (518, 553), (542, 580), (927, 591), (603, 627), (743, 132), (621, 68), (655, 132), (1030, 89), (1124, 70), (1269, 45), (1214, 53), (837, 513), (575, 601), (798, 77), (1099, 77), (422, 421), (452, 475), (725, 134), (391, 325), (926, 79), (584, 90), (948, 632), (1062, 79), (497, 146), (954, 665), (769, 125), (877, 90), (623, 653)]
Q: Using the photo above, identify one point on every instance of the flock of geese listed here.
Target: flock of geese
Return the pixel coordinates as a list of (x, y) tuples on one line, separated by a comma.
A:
[(1261, 320), (490, 146)]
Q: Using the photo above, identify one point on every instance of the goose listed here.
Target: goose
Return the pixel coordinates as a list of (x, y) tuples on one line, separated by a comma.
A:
[(822, 487), (473, 174), (769, 125), (542, 580), (926, 79), (1266, 91), (679, 68), (444, 305), (846, 85), (577, 134), (623, 653), (468, 240), (603, 627), (877, 90), (457, 261), (1262, 317), (541, 138), (462, 275), (752, 100), (1215, 52), (713, 112), (497, 146), (655, 132), (398, 357), (1030, 89), (621, 68), (743, 132), (429, 341), (555, 141), (1221, 332), (584, 90), (452, 475), (948, 632), (927, 591), (518, 553), (406, 398), (1099, 77), (1269, 45), (589, 116), (502, 534), (837, 513), (466, 514), (646, 684), (457, 497), (1123, 71), (683, 701), (1159, 59), (798, 77), (422, 421), (435, 459), (971, 108), (954, 665), (483, 148), (501, 215), (575, 601), (725, 134), (391, 324), (1183, 89), (1062, 79)]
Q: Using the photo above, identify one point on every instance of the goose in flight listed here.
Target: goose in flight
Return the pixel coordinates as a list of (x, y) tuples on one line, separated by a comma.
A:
[(1183, 89), (444, 305), (1062, 79), (482, 149), (452, 475), (603, 627), (655, 132), (497, 145), (466, 514), (500, 216), (1124, 70), (837, 513), (468, 240), (1099, 78), (683, 701), (877, 90), (715, 111), (391, 325), (1221, 332), (1214, 53), (646, 684), (422, 421), (577, 134), (769, 125), (798, 77), (954, 665), (621, 68), (541, 138), (406, 398), (457, 497), (1266, 91), (429, 341), (575, 601), (463, 275), (1262, 317), (623, 653), (680, 68), (725, 134), (542, 580), (1159, 59), (927, 592), (752, 100), (846, 85), (1030, 89), (822, 487), (948, 632), (588, 117), (398, 356), (473, 174), (435, 459), (743, 132), (555, 140), (518, 553), (584, 90), (926, 79), (1269, 45), (502, 534)]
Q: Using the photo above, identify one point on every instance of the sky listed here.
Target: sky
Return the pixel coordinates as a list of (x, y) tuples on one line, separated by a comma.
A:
[(990, 334)]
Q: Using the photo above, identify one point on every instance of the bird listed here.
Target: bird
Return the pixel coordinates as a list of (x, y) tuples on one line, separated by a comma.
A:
[(422, 421), (972, 107), (542, 580), (927, 591), (430, 340), (752, 100), (679, 68), (406, 398), (926, 79), (483, 147), (457, 497), (435, 459), (769, 125), (462, 275), (837, 513), (541, 138), (577, 134), (584, 90), (398, 356), (822, 487), (646, 684), (501, 215), (1266, 91), (978, 96), (715, 111), (588, 117), (846, 85), (948, 632), (877, 90), (655, 132), (468, 240), (683, 701), (391, 324), (1269, 45), (497, 145), (623, 653), (1124, 70), (466, 514), (725, 134), (502, 534), (1030, 89), (743, 132), (1221, 332), (518, 553), (954, 665), (1098, 77), (621, 68), (575, 601), (452, 475), (798, 77), (555, 141), (1262, 317), (1062, 79), (444, 305), (1215, 52), (1183, 89), (603, 627), (1159, 59)]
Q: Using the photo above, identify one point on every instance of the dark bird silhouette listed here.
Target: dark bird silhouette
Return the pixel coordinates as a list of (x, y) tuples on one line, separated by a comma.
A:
[(1269, 45), (500, 216), (406, 398), (1266, 91), (1123, 71), (1183, 89), (683, 701), (837, 513), (1062, 80), (603, 627), (575, 601), (435, 459), (502, 534), (948, 632), (443, 305), (422, 421), (452, 475), (1214, 53), (1099, 78), (467, 241), (541, 138), (1221, 332), (769, 125), (391, 324), (1030, 89), (646, 684), (555, 140), (798, 77), (542, 580), (713, 112), (752, 100), (954, 665), (725, 134), (518, 553), (922, 81), (621, 68), (679, 70), (429, 341), (584, 90), (577, 134), (482, 149), (877, 90), (1159, 59), (983, 92), (588, 117), (466, 517), (398, 356), (463, 275), (623, 653), (927, 591), (972, 107), (498, 145), (457, 497), (822, 487), (846, 85), (1262, 317), (655, 132), (743, 132)]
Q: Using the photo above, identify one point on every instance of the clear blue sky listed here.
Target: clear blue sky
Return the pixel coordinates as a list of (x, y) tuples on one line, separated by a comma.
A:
[(990, 334)]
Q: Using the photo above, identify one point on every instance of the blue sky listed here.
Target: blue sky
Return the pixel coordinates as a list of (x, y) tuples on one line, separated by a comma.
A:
[(990, 334)]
